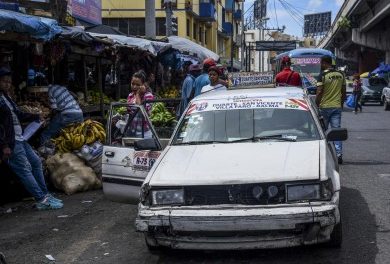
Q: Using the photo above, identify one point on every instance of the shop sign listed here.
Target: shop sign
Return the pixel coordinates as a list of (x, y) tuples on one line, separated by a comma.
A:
[(87, 10)]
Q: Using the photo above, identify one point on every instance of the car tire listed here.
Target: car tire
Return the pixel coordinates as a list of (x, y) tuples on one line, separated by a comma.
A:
[(336, 237), (2, 259), (151, 244), (386, 105), (381, 103)]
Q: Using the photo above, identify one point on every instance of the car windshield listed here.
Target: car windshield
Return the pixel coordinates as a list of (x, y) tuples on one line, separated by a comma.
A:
[(307, 65), (240, 125), (374, 82), (313, 69)]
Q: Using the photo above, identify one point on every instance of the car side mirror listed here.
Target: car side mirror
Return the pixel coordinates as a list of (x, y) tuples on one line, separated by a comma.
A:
[(146, 144), (337, 134)]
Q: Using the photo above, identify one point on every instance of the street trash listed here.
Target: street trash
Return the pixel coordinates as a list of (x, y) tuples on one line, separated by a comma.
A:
[(70, 174), (86, 202), (9, 210), (106, 254), (50, 257), (63, 216), (104, 243), (55, 229)]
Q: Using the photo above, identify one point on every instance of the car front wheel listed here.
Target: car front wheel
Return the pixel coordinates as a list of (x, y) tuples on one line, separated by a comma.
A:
[(336, 237), (386, 105), (151, 243)]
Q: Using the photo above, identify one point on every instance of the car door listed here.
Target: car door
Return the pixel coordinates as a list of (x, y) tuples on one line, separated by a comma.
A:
[(132, 148)]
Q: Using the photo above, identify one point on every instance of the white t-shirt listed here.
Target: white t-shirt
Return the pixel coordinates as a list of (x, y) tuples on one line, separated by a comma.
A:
[(209, 87)]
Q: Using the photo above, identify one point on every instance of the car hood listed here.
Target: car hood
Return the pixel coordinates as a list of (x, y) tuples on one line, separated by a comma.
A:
[(238, 163)]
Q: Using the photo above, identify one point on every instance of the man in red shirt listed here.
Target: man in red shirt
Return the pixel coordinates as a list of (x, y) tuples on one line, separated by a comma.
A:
[(287, 77)]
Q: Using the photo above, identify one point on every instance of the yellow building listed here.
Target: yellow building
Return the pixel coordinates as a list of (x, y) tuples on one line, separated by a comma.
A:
[(206, 22)]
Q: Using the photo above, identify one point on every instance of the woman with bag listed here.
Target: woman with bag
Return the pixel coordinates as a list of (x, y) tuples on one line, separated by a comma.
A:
[(357, 92)]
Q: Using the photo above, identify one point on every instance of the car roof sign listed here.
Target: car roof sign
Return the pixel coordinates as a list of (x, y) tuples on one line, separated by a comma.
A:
[(239, 80)]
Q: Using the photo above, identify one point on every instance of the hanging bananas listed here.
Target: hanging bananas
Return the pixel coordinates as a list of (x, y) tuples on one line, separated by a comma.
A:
[(75, 136)]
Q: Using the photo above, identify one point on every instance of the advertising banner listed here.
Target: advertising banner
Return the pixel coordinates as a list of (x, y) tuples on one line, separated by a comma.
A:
[(87, 10)]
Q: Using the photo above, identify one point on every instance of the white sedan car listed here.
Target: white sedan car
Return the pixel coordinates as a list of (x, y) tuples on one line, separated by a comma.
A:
[(244, 169)]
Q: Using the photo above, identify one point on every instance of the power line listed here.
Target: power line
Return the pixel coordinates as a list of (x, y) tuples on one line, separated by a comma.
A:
[(276, 15), (294, 9), (292, 14)]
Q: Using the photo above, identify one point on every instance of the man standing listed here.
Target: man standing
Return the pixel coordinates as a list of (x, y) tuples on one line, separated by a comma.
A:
[(287, 76), (330, 97), (188, 86), (17, 152), (203, 79), (65, 111)]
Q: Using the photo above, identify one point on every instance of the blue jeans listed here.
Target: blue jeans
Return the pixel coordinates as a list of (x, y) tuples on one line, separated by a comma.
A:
[(58, 122), (332, 117), (28, 167)]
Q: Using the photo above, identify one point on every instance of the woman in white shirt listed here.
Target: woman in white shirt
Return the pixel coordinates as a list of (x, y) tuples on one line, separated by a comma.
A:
[(214, 85)]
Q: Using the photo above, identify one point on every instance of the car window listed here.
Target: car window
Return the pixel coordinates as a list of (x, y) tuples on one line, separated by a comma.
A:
[(128, 121), (233, 125), (374, 82), (377, 82)]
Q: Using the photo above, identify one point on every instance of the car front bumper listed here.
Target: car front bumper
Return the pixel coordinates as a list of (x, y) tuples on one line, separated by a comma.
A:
[(227, 227), (371, 98)]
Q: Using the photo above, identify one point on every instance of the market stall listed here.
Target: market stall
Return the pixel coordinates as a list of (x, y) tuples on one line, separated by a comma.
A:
[(133, 54), (40, 52)]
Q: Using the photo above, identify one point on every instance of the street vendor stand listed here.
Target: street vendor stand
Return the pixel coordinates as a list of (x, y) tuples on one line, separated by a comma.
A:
[(133, 54), (40, 52)]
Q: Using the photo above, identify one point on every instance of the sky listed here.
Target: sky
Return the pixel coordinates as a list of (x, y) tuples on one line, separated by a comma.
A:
[(294, 23)]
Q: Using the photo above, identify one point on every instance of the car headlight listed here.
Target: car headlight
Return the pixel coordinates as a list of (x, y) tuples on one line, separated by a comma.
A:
[(367, 92), (168, 197), (308, 192)]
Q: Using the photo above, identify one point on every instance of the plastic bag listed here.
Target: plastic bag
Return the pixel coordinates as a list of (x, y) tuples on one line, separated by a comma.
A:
[(351, 101)]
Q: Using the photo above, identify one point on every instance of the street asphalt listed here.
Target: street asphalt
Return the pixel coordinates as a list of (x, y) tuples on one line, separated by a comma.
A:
[(91, 229)]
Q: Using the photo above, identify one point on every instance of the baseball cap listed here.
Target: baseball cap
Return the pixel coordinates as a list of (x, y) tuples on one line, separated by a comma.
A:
[(4, 71), (195, 67), (215, 69), (209, 62)]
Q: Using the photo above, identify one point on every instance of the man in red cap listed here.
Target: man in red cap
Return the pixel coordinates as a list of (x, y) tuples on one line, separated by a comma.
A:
[(203, 79), (287, 77)]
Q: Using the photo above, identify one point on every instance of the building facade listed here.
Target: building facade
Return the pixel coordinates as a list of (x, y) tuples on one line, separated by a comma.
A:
[(210, 23)]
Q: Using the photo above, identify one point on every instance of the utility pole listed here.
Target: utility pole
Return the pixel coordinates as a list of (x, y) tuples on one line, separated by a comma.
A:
[(242, 36), (232, 41), (150, 19), (168, 17)]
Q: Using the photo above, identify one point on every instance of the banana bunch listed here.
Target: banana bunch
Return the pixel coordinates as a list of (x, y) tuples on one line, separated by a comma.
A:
[(171, 92), (75, 136), (160, 116)]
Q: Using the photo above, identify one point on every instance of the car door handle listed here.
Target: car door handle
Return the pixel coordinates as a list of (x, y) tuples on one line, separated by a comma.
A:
[(109, 154)]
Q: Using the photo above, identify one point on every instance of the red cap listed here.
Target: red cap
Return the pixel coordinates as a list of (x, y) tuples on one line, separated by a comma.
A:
[(215, 69), (286, 59), (209, 62)]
